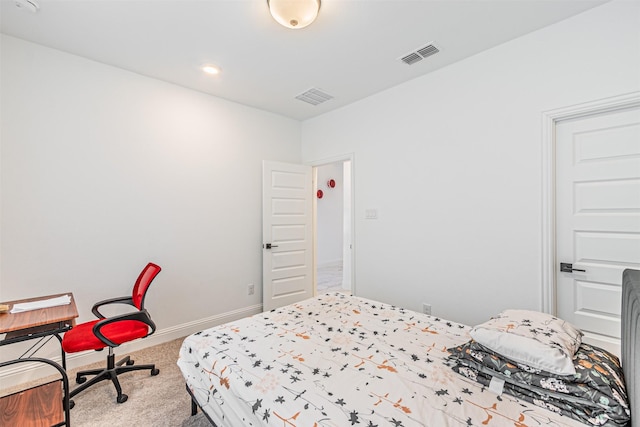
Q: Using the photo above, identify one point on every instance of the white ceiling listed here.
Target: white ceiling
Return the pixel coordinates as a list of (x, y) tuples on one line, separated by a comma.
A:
[(351, 51)]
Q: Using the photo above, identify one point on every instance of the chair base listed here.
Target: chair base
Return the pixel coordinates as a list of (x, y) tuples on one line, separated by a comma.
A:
[(111, 372)]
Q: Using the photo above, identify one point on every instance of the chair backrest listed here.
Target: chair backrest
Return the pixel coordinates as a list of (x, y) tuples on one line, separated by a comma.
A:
[(142, 284)]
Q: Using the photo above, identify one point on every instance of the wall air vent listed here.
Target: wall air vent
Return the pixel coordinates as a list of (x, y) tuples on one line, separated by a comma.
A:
[(419, 54), (314, 96)]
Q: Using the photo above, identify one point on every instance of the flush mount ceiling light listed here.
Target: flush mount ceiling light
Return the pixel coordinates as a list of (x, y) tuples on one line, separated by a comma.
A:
[(294, 14)]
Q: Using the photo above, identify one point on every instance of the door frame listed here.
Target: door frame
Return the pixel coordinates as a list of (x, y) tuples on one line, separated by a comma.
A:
[(326, 161), (549, 120)]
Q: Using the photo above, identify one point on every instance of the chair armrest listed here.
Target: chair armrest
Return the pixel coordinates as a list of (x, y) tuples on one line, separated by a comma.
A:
[(140, 316), (118, 300)]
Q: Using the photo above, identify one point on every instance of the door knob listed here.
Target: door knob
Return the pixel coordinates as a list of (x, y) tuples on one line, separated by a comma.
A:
[(269, 246), (568, 268)]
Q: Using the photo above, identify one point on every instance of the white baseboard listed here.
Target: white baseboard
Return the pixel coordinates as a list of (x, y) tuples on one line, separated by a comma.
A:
[(25, 372), (329, 264)]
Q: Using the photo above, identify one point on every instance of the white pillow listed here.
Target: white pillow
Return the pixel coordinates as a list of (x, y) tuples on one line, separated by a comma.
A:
[(532, 338)]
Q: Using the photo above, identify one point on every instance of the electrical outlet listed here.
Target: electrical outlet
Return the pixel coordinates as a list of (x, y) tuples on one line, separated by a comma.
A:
[(251, 289), (371, 214), (426, 308)]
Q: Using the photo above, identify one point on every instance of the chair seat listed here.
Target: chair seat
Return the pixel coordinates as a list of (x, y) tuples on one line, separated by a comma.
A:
[(81, 337)]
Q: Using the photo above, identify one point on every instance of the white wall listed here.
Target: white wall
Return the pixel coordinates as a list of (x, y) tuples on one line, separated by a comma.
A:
[(452, 162), (103, 170), (330, 213)]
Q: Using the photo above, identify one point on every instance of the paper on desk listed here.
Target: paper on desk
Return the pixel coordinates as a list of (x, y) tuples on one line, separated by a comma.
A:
[(44, 303)]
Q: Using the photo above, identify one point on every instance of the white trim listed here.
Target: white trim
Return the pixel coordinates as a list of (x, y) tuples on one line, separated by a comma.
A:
[(549, 120), (329, 160), (330, 263), (26, 372)]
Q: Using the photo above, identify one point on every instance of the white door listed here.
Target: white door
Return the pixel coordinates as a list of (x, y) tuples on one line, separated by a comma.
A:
[(597, 219), (287, 234)]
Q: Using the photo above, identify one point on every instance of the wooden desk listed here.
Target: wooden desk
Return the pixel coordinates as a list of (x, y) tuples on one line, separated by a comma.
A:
[(42, 323), (43, 405)]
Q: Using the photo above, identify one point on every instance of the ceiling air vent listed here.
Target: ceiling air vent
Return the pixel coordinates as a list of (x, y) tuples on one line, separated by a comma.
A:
[(314, 96), (420, 54), (412, 58)]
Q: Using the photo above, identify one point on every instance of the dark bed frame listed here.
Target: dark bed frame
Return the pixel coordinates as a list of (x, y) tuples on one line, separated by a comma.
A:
[(630, 338), (195, 405)]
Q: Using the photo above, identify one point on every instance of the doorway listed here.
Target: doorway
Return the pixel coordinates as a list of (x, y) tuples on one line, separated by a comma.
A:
[(333, 204)]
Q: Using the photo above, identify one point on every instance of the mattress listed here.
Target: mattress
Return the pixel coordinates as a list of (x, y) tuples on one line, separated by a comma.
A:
[(339, 360)]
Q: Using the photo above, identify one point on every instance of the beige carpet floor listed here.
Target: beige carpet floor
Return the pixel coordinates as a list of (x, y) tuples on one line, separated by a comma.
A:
[(154, 401)]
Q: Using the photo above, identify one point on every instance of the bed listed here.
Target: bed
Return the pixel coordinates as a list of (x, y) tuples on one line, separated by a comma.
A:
[(339, 360)]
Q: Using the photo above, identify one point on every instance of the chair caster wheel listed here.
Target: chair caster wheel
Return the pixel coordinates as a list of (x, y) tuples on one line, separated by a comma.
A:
[(155, 372), (122, 398), (80, 380), (71, 404), (130, 362)]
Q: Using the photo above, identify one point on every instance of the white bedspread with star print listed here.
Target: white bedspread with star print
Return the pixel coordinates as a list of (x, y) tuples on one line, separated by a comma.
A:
[(337, 360)]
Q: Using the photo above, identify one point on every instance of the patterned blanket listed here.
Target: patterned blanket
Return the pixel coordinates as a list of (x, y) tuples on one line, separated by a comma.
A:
[(337, 360), (595, 395)]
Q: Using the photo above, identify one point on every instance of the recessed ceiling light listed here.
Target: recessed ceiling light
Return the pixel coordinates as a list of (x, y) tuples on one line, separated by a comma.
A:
[(211, 69)]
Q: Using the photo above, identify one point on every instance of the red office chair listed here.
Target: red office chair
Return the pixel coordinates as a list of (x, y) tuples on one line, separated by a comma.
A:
[(111, 332)]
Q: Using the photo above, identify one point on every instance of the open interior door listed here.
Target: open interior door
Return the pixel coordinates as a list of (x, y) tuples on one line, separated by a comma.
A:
[(287, 234)]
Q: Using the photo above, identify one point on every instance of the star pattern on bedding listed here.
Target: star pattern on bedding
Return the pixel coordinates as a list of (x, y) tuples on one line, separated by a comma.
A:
[(338, 360)]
